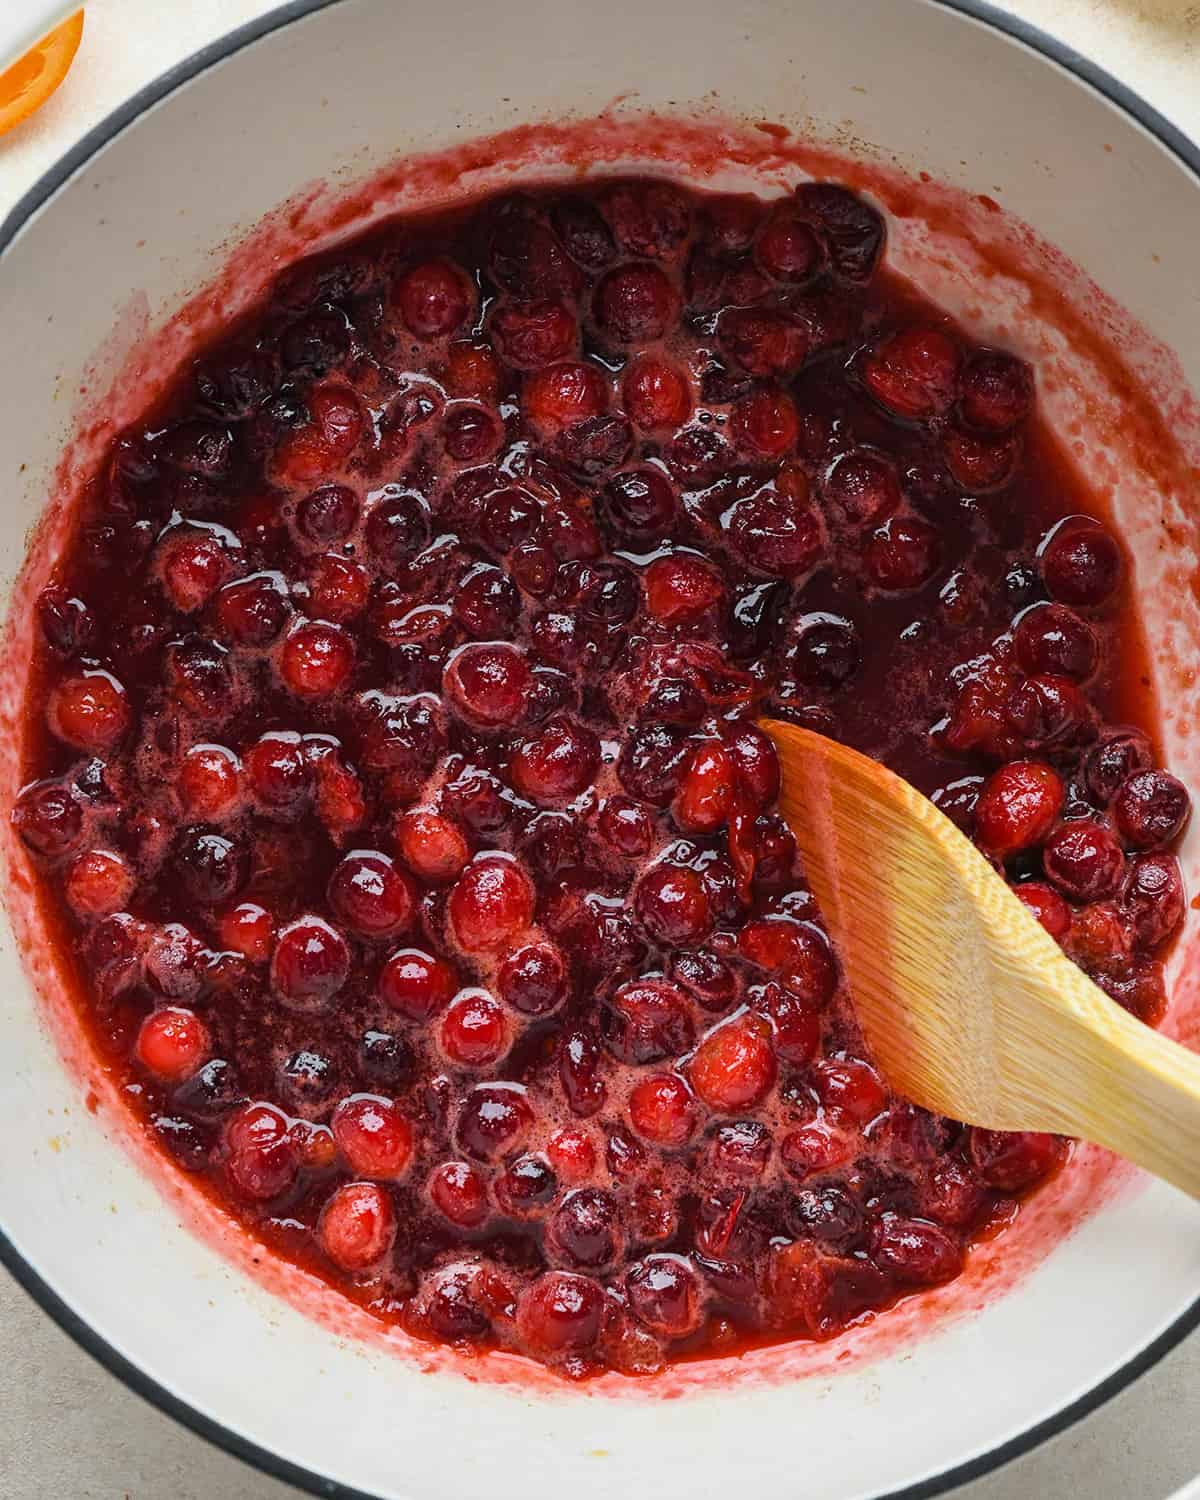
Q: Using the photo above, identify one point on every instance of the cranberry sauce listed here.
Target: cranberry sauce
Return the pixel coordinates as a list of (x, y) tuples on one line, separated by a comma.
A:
[(398, 803)]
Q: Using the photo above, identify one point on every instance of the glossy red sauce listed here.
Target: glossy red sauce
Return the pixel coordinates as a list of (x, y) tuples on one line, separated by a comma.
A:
[(616, 1110)]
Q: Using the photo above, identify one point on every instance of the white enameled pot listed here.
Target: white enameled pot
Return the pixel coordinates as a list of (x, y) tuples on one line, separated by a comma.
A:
[(1060, 215)]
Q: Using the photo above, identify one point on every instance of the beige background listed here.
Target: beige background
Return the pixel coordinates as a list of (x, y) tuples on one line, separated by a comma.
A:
[(68, 1430)]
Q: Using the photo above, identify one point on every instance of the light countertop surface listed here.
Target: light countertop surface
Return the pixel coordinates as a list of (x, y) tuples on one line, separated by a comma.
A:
[(68, 1430)]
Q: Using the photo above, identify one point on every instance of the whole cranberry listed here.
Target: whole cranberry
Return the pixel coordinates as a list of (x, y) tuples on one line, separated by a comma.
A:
[(316, 660), (357, 1226), (531, 334), (903, 554), (682, 588), (663, 1111), (459, 1194), (557, 764), (211, 868), (1153, 898), (327, 516), (370, 895), (416, 984), (1046, 905), (435, 299), (798, 953), (585, 1230), (338, 589), (561, 395), (1081, 563), (490, 905), (1084, 860), (471, 370), (914, 1251), (826, 652), (786, 247), (99, 882), (640, 503), (766, 424), (560, 1313), (489, 684), (673, 906), (432, 846), (376, 1139), (655, 394), (862, 487), (775, 536), (473, 1032), (734, 1066), (396, 528), (1052, 638), (762, 342), (852, 230), (173, 1043), (850, 1085), (757, 761), (1150, 808), (48, 818), (525, 1187), (533, 979), (263, 1161), (635, 304), (1014, 1160), (995, 391), (979, 465), (1116, 756), (487, 604), (89, 711), (253, 611), (1017, 807), (706, 792), (493, 1121), (310, 964), (648, 219), (664, 1294), (913, 373), (279, 774)]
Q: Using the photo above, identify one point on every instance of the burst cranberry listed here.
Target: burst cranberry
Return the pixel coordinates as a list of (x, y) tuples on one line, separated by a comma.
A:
[(473, 1032), (490, 684), (1014, 1160), (827, 1214), (663, 1111), (649, 219), (1153, 898), (560, 1312), (626, 827), (490, 905), (459, 1194), (338, 588), (673, 906), (373, 1136), (766, 424), (1150, 808), (557, 764), (1117, 756), (775, 536), (655, 394), (995, 391), (914, 1251), (762, 342), (310, 964), (173, 1043), (852, 230), (1083, 860), (328, 515), (757, 762), (493, 1121), (370, 895), (435, 298), (1017, 807), (357, 1226), (579, 1072), (913, 373), (563, 395), (862, 486), (641, 503), (209, 782), (1046, 905), (706, 792), (248, 929), (647, 1021), (534, 979), (734, 1066), (431, 846), (814, 1149), (471, 370), (198, 675), (1081, 563), (979, 464), (67, 623), (326, 441), (487, 604), (89, 711), (48, 817), (903, 554), (211, 869), (586, 1229), (532, 334)]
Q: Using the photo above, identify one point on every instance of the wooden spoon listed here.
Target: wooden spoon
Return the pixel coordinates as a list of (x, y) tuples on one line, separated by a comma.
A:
[(970, 1007)]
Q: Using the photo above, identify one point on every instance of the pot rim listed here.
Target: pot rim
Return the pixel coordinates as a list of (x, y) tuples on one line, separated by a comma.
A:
[(151, 1390)]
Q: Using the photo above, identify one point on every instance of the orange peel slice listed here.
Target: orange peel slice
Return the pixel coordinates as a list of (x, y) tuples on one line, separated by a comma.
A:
[(29, 82)]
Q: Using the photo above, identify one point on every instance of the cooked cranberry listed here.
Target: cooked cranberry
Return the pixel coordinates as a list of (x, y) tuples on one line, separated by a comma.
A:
[(493, 1121), (852, 230), (579, 1072), (490, 904), (357, 1226), (370, 895), (396, 528), (757, 762), (706, 792), (648, 218), (262, 1160), (561, 395), (848, 1084), (652, 762), (431, 846), (528, 259), (326, 441), (556, 764), (1150, 808), (796, 1022), (1153, 898), (1014, 1160), (487, 604), (655, 394), (663, 1111), (775, 537), (766, 424), (762, 342), (209, 782), (373, 1136), (915, 1251), (682, 588), (525, 1187), (416, 984), (903, 554), (646, 1021), (786, 247), (584, 234), (316, 660), (995, 390), (635, 304), (328, 515), (490, 684), (534, 979), (338, 588), (89, 711), (586, 1229), (434, 298), (1017, 807), (640, 502), (826, 1213), (535, 333), (1047, 906), (560, 1312), (1117, 756), (1081, 563), (734, 1066), (98, 883), (814, 1149), (471, 433), (673, 906), (827, 651), (459, 1194), (1052, 638), (1084, 860), (473, 1032), (979, 464), (48, 817), (280, 777), (913, 373), (197, 672), (310, 964), (862, 486), (67, 623), (193, 566), (235, 380), (211, 869), (471, 370), (173, 1043)]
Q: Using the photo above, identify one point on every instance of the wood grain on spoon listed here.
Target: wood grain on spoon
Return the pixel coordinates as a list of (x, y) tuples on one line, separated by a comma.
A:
[(970, 1007)]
